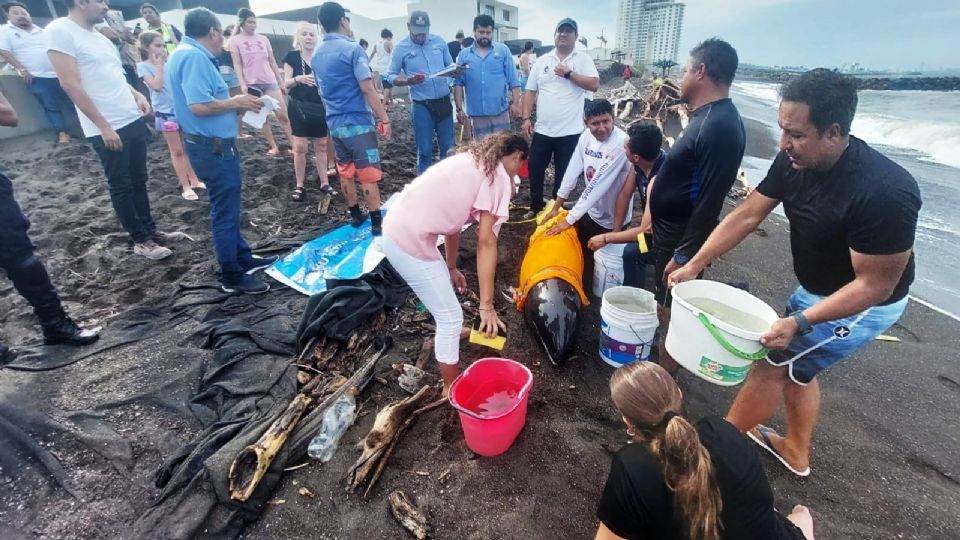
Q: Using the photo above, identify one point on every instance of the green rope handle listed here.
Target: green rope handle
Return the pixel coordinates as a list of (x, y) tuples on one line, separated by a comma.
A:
[(759, 355)]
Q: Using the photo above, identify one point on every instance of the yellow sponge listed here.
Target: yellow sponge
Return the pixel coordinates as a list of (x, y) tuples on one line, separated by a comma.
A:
[(479, 338)]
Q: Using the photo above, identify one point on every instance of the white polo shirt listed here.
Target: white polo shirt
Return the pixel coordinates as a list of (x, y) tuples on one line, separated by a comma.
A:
[(101, 73), (559, 100), (29, 47)]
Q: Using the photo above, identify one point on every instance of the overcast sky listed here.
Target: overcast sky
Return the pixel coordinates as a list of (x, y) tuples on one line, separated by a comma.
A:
[(885, 34)]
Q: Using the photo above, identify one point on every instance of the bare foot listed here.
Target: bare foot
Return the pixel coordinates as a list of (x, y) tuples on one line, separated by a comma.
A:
[(801, 517), (273, 152)]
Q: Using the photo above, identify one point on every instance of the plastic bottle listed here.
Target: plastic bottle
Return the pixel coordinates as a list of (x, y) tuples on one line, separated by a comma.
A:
[(338, 418)]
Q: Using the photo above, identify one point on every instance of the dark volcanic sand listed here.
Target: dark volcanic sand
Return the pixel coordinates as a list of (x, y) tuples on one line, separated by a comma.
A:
[(885, 461)]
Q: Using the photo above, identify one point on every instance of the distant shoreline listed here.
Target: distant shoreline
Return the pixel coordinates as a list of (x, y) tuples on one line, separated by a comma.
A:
[(946, 84)]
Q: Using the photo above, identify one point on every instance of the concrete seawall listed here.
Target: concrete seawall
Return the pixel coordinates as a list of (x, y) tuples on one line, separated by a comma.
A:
[(29, 111)]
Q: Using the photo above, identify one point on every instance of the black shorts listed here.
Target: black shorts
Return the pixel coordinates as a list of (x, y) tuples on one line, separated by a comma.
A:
[(301, 128), (662, 258)]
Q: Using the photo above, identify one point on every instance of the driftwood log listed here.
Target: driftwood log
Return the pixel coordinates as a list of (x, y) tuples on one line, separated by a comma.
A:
[(252, 463), (412, 518), (389, 426)]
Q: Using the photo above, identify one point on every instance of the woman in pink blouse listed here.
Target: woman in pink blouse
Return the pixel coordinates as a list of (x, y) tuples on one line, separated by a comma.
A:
[(471, 187), (257, 68)]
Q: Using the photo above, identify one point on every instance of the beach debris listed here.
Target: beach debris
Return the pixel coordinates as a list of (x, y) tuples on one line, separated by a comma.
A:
[(388, 427), (887, 337), (741, 189), (660, 104), (252, 463), (304, 492), (408, 515), (426, 352), (411, 378)]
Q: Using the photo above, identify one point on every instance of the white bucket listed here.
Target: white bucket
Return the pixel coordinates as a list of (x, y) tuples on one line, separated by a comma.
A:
[(722, 345), (607, 268), (628, 323)]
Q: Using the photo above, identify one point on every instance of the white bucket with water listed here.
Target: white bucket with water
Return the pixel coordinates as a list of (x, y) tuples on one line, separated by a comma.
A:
[(715, 330), (607, 268), (628, 324)]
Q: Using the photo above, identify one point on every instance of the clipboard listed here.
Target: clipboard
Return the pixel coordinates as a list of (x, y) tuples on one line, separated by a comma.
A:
[(444, 72)]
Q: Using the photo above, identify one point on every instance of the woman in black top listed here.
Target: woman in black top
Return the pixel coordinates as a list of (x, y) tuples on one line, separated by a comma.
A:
[(701, 481), (307, 115)]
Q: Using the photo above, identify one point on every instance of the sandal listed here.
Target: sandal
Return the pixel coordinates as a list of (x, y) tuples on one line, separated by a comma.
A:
[(327, 189), (331, 172), (297, 194), (764, 442), (190, 195), (200, 185)]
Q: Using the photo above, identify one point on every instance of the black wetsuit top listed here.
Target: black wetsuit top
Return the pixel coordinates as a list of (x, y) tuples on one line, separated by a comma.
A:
[(865, 203), (700, 169)]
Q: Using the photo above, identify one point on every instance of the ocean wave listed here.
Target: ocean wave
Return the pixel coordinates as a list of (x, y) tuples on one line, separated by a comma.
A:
[(768, 92), (936, 141)]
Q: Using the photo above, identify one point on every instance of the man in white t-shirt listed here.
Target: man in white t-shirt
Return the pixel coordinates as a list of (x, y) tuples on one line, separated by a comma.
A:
[(110, 111), (380, 64), (602, 160), (559, 82), (23, 46)]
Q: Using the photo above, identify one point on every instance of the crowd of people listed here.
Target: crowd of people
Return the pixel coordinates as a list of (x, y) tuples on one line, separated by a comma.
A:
[(852, 211)]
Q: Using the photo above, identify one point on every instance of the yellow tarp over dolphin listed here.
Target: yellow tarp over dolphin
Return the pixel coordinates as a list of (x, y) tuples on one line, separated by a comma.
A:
[(557, 256)]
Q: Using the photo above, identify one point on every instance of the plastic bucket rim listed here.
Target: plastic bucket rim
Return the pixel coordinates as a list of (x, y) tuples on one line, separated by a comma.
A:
[(722, 325), (521, 395), (633, 290)]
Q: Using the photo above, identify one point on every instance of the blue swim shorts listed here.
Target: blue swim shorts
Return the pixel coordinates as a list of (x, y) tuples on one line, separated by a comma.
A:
[(831, 341)]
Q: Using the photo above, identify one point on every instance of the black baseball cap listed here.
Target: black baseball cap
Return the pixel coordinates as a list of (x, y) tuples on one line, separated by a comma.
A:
[(419, 22), (568, 22), (330, 13)]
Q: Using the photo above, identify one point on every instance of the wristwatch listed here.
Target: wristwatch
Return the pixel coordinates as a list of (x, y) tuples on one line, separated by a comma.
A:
[(680, 258), (567, 74), (803, 325)]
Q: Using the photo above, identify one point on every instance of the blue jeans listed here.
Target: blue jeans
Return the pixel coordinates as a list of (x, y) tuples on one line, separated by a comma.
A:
[(635, 265), (424, 126), (217, 164), (51, 96), (832, 341), (127, 177)]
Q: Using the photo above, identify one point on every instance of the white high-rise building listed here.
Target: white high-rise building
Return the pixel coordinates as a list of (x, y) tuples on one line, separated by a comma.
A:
[(649, 30)]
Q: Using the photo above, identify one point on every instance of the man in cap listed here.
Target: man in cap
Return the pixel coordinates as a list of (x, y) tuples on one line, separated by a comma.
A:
[(418, 56), (559, 83)]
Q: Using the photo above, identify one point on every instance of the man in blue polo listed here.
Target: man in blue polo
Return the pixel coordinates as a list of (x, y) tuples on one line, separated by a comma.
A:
[(418, 56), (490, 79), (208, 117)]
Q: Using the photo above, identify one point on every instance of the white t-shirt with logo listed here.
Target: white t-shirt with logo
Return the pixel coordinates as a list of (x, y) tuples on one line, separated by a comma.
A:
[(559, 100), (101, 73), (29, 47), (604, 166)]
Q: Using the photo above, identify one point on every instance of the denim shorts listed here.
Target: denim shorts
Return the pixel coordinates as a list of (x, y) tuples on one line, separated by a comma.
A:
[(831, 341), (229, 76)]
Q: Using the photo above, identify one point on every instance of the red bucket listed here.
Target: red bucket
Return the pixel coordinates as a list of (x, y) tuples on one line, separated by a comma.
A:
[(524, 170), (491, 397)]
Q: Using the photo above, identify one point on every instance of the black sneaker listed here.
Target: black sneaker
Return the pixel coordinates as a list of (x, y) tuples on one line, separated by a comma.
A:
[(259, 263), (356, 216), (244, 284), (62, 329)]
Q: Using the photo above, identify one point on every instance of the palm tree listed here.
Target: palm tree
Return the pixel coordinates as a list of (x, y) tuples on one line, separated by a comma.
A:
[(664, 66), (583, 40)]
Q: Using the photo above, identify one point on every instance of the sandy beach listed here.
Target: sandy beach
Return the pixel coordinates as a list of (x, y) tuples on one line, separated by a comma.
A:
[(885, 461)]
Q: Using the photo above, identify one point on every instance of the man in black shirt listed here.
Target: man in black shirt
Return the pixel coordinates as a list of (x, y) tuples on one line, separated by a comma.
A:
[(456, 45), (699, 170), (853, 215)]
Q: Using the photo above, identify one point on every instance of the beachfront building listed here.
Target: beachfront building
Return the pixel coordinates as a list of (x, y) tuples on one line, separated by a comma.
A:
[(649, 30)]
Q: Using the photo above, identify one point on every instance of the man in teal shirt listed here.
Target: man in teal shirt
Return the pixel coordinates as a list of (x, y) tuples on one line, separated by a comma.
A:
[(490, 79), (208, 117)]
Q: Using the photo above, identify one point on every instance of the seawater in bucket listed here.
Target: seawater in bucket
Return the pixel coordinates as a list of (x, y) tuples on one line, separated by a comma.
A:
[(607, 268), (491, 397), (715, 330), (628, 324)]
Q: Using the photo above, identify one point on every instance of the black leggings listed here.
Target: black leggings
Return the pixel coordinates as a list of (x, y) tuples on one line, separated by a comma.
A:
[(587, 228), (542, 148)]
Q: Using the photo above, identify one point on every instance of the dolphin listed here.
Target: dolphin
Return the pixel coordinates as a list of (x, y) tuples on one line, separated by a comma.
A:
[(552, 308)]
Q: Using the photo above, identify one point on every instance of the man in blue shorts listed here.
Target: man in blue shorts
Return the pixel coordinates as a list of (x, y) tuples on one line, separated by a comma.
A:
[(853, 216)]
